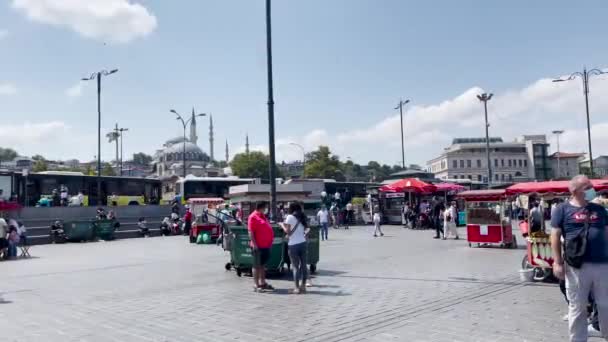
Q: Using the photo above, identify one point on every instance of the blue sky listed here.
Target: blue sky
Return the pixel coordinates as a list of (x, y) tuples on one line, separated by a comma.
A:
[(340, 68)]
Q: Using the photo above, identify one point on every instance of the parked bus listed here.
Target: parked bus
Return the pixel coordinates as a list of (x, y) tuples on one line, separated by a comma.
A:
[(197, 187), (114, 190)]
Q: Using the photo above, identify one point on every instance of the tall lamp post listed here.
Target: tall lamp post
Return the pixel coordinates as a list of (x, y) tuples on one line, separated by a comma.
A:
[(121, 130), (485, 97), (400, 107), (271, 152), (98, 75), (303, 156), (585, 77), (185, 125), (557, 134)]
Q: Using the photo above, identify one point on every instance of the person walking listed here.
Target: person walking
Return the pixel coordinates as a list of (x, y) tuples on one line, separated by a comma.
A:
[(296, 229), (449, 222), (584, 262), (187, 220), (261, 236), (377, 222), (405, 212), (438, 209), (323, 217)]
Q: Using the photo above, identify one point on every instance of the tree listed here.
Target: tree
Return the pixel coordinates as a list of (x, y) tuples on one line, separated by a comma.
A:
[(37, 157), (40, 166), (251, 165), (88, 170), (142, 159), (220, 163), (7, 154), (321, 164), (107, 170)]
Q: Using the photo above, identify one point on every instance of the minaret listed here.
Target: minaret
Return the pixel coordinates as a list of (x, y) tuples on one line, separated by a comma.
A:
[(211, 137), (227, 154), (193, 137), (247, 143)]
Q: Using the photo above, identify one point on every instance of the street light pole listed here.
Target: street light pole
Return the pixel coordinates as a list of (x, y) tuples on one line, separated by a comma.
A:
[(557, 134), (271, 152), (400, 107), (185, 125), (303, 156), (98, 75), (485, 97), (585, 77), (121, 130)]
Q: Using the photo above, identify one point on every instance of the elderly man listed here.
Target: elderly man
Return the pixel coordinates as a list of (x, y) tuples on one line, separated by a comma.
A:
[(579, 220)]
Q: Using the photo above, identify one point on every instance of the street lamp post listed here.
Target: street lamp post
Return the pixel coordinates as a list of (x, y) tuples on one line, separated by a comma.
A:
[(585, 77), (400, 107), (121, 130), (271, 152), (557, 134), (98, 75), (303, 156), (485, 97), (185, 125)]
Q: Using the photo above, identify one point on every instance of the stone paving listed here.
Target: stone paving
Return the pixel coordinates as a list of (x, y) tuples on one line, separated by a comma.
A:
[(405, 286)]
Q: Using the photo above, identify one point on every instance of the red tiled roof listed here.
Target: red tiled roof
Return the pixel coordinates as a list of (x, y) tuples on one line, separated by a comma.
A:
[(567, 155)]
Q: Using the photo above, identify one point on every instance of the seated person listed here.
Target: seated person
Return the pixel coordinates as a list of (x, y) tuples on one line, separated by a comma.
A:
[(143, 229), (13, 242), (165, 227), (57, 233), (101, 214)]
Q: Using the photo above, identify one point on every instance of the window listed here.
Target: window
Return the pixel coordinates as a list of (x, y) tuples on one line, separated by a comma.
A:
[(525, 163), (502, 162), (495, 177), (510, 163), (478, 162), (496, 162), (462, 164), (510, 177), (502, 177), (455, 164), (479, 178), (455, 176), (520, 163), (566, 163), (470, 177), (469, 163)]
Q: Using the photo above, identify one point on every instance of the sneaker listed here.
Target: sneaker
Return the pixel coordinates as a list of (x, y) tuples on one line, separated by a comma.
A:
[(381, 234), (435, 237), (267, 287), (308, 283), (375, 235), (565, 318), (456, 238), (592, 332), (295, 291)]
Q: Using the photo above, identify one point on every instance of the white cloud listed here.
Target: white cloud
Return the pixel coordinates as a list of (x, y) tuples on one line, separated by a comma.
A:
[(8, 89), (32, 133), (75, 90), (3, 34), (108, 20)]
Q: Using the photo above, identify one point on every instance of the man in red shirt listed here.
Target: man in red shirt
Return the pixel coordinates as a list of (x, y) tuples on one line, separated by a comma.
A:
[(187, 221), (261, 235)]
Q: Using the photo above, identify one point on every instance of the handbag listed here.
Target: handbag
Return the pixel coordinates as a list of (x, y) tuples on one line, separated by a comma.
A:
[(575, 248)]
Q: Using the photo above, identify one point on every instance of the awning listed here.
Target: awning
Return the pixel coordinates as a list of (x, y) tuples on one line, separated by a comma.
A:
[(483, 195), (551, 187), (409, 185), (449, 187)]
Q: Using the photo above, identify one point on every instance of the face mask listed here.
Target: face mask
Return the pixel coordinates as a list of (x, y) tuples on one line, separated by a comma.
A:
[(590, 194)]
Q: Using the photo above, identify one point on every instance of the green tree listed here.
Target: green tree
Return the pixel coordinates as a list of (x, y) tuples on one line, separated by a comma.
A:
[(142, 159), (7, 154), (251, 165), (37, 157), (40, 166), (107, 170), (322, 164), (220, 163), (88, 170)]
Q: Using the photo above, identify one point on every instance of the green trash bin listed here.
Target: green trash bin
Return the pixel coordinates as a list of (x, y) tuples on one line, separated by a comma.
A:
[(241, 258), (104, 229), (78, 230), (312, 250)]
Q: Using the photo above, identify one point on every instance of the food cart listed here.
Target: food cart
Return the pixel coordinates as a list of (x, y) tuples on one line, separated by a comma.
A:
[(236, 236), (205, 212), (394, 195), (488, 218), (539, 256)]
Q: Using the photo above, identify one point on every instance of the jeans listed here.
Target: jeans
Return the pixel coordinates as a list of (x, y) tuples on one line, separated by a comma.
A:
[(12, 249), (324, 228), (377, 228), (590, 278), (297, 254)]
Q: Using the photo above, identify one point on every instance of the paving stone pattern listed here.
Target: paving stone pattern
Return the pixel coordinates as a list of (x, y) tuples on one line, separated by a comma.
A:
[(402, 287)]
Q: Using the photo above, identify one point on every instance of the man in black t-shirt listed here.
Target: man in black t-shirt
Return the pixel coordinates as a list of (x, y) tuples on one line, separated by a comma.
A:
[(437, 209)]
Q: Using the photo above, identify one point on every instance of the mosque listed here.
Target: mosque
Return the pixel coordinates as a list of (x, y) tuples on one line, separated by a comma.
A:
[(168, 161)]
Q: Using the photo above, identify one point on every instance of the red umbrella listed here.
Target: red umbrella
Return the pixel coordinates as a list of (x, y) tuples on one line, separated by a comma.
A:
[(408, 185), (556, 187), (449, 187), (9, 206)]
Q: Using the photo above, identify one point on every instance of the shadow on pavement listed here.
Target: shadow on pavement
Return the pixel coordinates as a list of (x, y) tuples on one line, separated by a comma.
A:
[(449, 280), (310, 291)]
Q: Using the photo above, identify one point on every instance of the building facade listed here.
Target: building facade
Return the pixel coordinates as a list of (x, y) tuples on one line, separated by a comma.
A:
[(600, 166), (466, 158), (565, 165)]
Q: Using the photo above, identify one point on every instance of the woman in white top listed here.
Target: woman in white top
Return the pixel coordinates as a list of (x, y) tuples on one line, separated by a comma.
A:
[(449, 221), (296, 229)]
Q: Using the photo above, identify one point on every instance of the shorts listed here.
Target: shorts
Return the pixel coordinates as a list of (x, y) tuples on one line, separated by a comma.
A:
[(260, 257)]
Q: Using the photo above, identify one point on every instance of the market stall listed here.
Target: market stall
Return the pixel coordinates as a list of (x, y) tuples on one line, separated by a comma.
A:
[(393, 196)]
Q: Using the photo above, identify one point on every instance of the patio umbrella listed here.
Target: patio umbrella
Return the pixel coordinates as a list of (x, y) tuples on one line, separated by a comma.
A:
[(409, 185)]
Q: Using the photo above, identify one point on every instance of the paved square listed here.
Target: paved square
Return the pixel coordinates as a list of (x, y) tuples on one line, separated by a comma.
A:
[(405, 286)]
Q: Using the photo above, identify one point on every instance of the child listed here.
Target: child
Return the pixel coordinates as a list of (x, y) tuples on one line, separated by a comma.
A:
[(143, 229)]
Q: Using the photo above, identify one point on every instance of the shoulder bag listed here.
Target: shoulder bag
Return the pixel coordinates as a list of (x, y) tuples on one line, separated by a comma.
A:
[(575, 248)]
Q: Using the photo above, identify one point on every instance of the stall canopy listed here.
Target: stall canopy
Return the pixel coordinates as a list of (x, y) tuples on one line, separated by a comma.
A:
[(551, 187), (409, 185), (9, 206), (449, 187), (483, 195)]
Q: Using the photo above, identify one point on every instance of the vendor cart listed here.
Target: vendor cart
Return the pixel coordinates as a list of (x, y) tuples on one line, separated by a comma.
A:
[(207, 221), (488, 218)]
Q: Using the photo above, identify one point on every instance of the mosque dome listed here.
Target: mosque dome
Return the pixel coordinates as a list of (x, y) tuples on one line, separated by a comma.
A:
[(174, 150)]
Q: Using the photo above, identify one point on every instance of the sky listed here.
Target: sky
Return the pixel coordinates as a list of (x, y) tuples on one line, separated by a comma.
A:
[(340, 69)]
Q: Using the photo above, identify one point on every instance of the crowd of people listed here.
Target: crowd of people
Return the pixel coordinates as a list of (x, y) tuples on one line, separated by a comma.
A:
[(12, 235)]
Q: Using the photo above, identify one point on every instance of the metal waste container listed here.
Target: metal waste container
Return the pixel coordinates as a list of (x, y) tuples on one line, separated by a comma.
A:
[(241, 258), (78, 231)]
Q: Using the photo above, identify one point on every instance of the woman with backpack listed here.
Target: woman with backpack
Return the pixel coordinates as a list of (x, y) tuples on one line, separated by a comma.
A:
[(296, 230)]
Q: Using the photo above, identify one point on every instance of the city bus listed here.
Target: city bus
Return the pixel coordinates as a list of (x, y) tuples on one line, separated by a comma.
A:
[(198, 187), (114, 190)]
